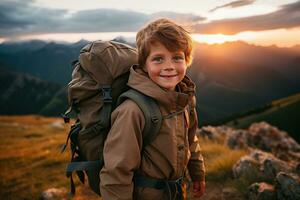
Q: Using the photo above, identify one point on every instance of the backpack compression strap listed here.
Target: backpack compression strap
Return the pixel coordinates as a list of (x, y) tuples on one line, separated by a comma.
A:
[(151, 111)]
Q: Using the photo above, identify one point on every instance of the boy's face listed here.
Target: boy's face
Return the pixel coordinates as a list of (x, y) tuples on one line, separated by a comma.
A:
[(165, 68)]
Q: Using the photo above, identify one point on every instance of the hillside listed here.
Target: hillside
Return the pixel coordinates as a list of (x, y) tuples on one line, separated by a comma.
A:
[(283, 60), (30, 148), (47, 61), (31, 162), (231, 78), (283, 113), (26, 94)]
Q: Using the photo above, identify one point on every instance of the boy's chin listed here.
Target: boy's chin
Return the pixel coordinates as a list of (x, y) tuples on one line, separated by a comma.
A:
[(169, 88)]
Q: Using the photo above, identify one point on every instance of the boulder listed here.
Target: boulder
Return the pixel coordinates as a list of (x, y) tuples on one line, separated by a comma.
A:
[(57, 125), (269, 138), (214, 133), (262, 163), (245, 166), (261, 191), (287, 186), (54, 194), (237, 139), (265, 137)]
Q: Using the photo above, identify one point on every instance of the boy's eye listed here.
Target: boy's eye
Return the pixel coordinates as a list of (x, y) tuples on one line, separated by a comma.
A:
[(178, 58), (157, 59)]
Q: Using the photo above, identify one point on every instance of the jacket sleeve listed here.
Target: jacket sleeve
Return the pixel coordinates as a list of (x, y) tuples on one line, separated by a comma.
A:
[(196, 163), (122, 152)]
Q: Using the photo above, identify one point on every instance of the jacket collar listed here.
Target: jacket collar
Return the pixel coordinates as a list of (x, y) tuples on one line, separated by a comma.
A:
[(172, 100)]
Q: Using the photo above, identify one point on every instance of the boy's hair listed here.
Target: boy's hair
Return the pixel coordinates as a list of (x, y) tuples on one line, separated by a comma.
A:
[(171, 35)]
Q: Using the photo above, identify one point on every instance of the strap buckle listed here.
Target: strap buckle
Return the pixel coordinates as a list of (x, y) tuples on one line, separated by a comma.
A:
[(106, 94)]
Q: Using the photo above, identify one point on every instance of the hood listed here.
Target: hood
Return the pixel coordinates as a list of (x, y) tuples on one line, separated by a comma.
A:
[(171, 100)]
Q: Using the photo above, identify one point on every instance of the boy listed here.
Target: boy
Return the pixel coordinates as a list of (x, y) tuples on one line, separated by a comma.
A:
[(155, 172)]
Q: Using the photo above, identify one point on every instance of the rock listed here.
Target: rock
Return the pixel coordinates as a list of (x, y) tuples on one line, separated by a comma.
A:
[(245, 166), (214, 133), (54, 194), (271, 166), (237, 139), (269, 138), (287, 186), (265, 137), (262, 163), (261, 191), (57, 125), (261, 136)]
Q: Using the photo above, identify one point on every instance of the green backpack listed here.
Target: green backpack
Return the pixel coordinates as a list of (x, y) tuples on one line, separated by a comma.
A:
[(98, 86)]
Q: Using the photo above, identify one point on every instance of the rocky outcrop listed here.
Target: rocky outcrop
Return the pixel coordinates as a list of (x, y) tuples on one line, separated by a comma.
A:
[(214, 133), (287, 186), (237, 139), (262, 163), (267, 166), (262, 191), (261, 136), (274, 157), (269, 138)]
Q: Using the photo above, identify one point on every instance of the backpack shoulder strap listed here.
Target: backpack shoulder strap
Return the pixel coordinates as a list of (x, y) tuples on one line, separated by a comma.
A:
[(151, 111)]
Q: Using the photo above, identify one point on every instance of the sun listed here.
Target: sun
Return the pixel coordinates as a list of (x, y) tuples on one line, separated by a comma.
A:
[(213, 38)]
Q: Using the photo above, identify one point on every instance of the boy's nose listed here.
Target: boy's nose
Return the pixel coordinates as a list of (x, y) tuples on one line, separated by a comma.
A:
[(169, 66), (168, 69)]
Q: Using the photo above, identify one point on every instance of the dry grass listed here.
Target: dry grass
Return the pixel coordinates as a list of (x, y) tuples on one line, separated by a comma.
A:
[(219, 160), (30, 158), (31, 162)]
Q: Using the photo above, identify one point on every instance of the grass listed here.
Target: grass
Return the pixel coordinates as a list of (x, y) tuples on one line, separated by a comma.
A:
[(30, 158), (219, 160), (31, 162), (282, 113)]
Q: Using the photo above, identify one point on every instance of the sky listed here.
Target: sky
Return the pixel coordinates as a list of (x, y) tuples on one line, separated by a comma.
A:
[(261, 22)]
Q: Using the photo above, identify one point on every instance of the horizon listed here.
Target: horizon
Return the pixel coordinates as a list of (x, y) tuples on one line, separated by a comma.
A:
[(252, 21), (94, 37)]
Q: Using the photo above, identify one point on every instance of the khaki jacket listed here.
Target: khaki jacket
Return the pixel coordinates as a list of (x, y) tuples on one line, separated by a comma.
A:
[(174, 149)]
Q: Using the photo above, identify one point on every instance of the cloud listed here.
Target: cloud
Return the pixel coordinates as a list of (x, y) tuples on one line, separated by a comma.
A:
[(234, 4), (23, 17), (104, 20), (288, 16), (19, 18), (179, 17)]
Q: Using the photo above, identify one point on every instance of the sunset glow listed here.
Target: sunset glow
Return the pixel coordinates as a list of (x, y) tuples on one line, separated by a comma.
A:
[(215, 22), (213, 38), (279, 37)]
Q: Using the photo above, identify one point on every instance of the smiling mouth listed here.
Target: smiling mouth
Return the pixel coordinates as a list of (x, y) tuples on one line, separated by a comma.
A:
[(168, 76)]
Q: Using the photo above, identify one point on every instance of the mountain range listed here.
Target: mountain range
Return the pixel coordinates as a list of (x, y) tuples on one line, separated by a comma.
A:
[(232, 77)]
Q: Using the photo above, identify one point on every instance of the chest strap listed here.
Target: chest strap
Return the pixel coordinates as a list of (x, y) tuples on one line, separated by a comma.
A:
[(173, 187)]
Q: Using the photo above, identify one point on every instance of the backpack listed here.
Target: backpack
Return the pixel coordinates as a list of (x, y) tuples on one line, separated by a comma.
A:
[(97, 87)]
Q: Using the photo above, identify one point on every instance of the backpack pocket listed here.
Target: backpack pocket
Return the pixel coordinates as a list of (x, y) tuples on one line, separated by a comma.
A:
[(91, 142)]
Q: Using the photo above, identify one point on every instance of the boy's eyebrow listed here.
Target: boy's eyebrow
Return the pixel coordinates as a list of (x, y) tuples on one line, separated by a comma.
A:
[(157, 54), (161, 54)]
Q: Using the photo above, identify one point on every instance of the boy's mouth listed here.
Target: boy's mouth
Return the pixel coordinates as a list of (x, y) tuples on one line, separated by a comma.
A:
[(168, 76)]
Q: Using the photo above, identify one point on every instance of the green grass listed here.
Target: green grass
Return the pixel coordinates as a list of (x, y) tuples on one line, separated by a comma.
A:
[(283, 113)]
